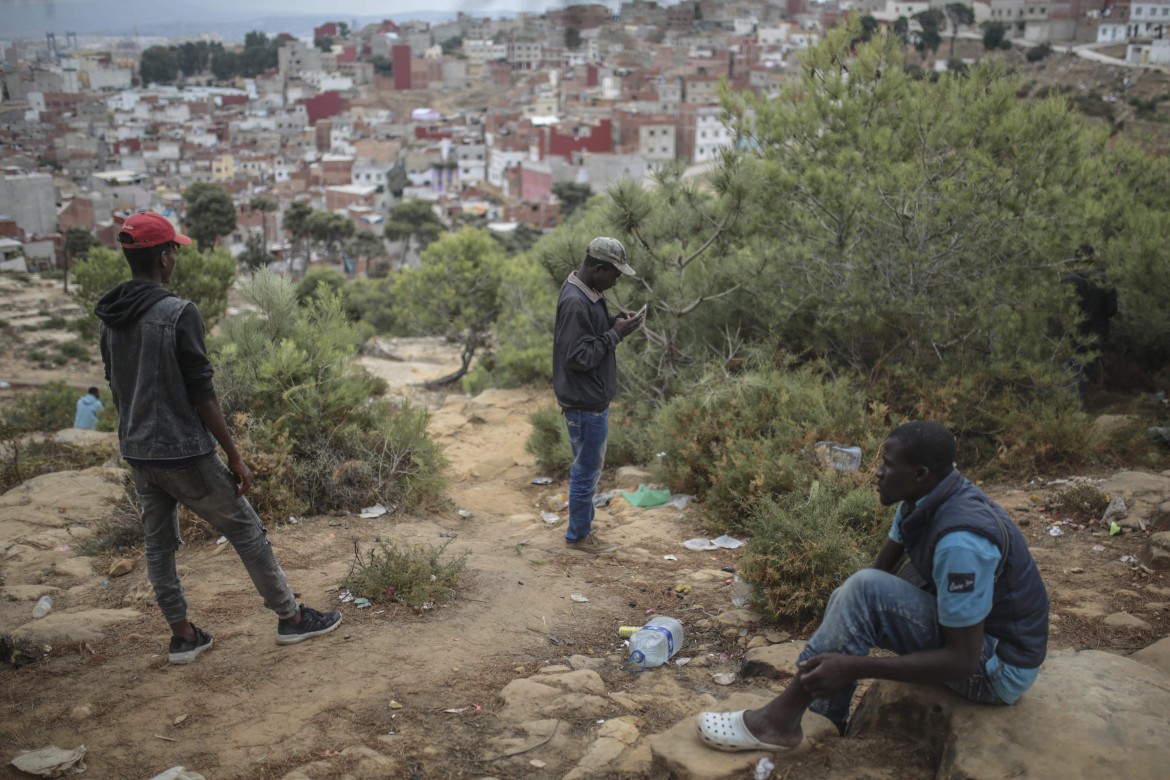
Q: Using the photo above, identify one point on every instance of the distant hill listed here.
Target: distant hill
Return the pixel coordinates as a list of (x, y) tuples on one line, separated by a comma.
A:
[(231, 20)]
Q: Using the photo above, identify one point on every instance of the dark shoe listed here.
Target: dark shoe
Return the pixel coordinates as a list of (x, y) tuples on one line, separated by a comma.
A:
[(183, 651), (591, 544), (313, 623)]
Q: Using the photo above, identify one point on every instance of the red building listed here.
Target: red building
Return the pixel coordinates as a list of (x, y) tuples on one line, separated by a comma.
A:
[(323, 106), (327, 30), (400, 58), (574, 139)]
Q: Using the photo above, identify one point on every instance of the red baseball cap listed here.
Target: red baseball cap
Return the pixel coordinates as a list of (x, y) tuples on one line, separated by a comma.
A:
[(151, 229)]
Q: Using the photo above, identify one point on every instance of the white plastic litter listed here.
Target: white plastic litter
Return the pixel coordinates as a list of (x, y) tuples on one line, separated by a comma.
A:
[(1129, 559), (699, 545), (221, 540), (580, 598), (764, 768), (727, 542), (377, 510), (464, 513), (680, 501), (551, 518), (1055, 531), (670, 557), (178, 773), (51, 761), (724, 678)]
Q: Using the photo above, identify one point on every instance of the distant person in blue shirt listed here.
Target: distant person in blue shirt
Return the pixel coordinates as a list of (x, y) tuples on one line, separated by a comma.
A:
[(967, 608), (88, 407)]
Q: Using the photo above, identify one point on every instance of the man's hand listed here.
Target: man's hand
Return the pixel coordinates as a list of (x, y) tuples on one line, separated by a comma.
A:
[(626, 323), (823, 675), (243, 475)]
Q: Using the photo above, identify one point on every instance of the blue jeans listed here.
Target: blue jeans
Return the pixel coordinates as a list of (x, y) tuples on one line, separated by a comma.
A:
[(876, 609), (588, 433), (208, 489)]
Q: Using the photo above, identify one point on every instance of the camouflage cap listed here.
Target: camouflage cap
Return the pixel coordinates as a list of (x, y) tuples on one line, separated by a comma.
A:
[(610, 250)]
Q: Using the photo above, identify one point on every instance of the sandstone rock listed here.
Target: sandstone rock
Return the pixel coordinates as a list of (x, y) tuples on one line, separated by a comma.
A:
[(355, 761), (757, 641), (81, 567), (739, 618), (578, 681), (679, 753), (83, 626), (1143, 494), (627, 701), (522, 518), (775, 662), (709, 575), (1090, 715), (121, 566), (585, 662), (629, 477), (27, 592), (525, 698), (1125, 620), (776, 637), (622, 729), (1158, 551), (1156, 655), (81, 711)]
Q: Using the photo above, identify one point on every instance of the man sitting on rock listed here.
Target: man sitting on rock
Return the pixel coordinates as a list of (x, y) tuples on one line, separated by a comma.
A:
[(978, 620)]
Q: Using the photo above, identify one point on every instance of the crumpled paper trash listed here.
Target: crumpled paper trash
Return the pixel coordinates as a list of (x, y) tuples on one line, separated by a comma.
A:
[(51, 761)]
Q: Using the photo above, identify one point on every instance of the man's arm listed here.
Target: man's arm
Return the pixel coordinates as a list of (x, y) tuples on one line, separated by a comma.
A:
[(823, 675), (888, 557), (586, 349), (212, 417), (197, 376)]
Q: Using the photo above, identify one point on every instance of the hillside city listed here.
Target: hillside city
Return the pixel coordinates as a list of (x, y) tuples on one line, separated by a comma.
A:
[(485, 119)]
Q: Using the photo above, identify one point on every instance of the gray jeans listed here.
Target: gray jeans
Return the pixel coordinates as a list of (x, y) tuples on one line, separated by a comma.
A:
[(208, 489)]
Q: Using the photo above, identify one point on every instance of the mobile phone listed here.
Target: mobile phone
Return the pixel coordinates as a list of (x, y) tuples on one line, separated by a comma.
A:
[(642, 311)]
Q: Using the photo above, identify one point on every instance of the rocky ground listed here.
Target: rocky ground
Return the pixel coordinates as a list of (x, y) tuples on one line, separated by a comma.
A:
[(519, 677)]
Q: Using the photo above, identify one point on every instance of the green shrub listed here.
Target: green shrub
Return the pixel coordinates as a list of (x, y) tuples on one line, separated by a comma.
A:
[(1037, 53), (805, 543), (1081, 501), (54, 322), (26, 458), (318, 278), (18, 651), (731, 441), (120, 529), (628, 442), (47, 409), (74, 350), (411, 575), (291, 368)]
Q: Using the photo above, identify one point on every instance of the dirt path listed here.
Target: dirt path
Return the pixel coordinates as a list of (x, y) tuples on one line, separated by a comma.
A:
[(251, 709)]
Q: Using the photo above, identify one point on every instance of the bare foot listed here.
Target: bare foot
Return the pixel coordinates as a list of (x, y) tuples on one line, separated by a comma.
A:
[(788, 735)]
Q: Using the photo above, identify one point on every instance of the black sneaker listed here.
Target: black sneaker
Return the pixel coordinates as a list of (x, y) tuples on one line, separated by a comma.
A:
[(184, 651), (313, 623)]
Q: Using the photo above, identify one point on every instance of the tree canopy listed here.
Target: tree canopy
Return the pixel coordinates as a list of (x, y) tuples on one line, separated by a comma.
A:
[(210, 213)]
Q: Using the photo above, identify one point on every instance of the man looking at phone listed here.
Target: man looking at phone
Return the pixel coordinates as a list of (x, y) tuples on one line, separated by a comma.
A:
[(585, 341)]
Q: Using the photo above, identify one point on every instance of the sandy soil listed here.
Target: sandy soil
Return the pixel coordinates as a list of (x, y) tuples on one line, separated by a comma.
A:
[(251, 709)]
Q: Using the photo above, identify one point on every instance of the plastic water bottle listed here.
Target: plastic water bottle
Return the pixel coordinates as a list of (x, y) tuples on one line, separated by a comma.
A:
[(741, 592), (655, 643), (43, 607)]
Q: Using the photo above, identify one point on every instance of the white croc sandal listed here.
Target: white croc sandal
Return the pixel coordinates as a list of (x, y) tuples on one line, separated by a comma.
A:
[(727, 731)]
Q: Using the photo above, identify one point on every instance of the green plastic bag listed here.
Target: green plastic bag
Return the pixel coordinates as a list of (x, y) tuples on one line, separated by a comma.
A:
[(645, 498)]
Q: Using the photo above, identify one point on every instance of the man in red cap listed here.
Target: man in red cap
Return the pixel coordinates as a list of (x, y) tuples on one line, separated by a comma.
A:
[(169, 421)]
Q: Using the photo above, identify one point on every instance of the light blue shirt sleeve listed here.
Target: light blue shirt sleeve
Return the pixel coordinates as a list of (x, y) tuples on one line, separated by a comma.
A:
[(896, 526), (964, 575)]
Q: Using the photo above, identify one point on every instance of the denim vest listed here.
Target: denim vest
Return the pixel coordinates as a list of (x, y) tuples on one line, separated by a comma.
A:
[(156, 420), (1019, 607)]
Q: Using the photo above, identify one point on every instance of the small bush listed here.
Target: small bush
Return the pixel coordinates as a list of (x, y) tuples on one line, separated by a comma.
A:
[(120, 530), (55, 322), (74, 350), (730, 442), (48, 409), (628, 442), (17, 651), (1082, 502), (24, 459), (804, 544), (268, 451), (1037, 53), (411, 575)]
